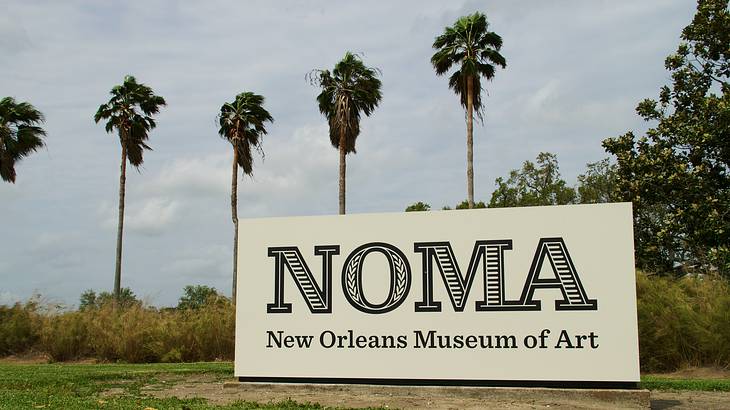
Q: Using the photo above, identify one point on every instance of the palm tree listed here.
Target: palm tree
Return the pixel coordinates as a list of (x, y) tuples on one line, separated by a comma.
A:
[(350, 89), (470, 45), (242, 124), (129, 111), (20, 134)]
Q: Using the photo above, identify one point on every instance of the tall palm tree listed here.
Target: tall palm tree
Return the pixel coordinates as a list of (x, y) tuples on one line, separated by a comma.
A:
[(475, 50), (20, 134), (129, 111), (350, 89), (242, 124)]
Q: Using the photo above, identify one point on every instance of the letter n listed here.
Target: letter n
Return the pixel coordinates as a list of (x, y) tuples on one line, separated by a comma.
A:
[(318, 298)]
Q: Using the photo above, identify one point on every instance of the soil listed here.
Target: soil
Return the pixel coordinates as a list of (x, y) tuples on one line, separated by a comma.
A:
[(211, 388)]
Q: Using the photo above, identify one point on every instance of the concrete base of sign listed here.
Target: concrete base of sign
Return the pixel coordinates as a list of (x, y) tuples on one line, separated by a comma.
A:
[(436, 397)]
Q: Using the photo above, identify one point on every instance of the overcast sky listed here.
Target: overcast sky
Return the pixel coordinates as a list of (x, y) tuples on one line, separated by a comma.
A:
[(575, 71)]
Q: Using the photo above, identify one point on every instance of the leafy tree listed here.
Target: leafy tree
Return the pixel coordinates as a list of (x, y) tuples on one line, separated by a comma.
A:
[(129, 111), (535, 184), (20, 134), (598, 184), (678, 174), (90, 300), (418, 207), (349, 90), (195, 297), (469, 45), (465, 205), (242, 123)]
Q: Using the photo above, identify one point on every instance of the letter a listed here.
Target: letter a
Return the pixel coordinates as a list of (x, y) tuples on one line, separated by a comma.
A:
[(565, 278)]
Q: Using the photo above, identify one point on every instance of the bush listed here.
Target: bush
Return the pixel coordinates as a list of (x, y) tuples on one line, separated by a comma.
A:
[(683, 322), (19, 327)]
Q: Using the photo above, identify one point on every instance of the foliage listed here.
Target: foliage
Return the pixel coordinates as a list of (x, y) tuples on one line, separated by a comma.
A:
[(90, 300), (683, 322), (19, 327), (678, 174), (465, 205), (469, 45), (129, 111), (243, 124), (197, 296), (599, 183), (349, 90), (535, 184), (20, 134), (418, 207)]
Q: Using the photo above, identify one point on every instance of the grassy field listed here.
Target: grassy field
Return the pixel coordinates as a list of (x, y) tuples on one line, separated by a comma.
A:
[(128, 386)]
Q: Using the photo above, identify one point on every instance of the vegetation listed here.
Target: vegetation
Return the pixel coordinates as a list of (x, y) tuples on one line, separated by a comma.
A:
[(469, 45), (678, 174), (81, 386), (129, 111), (113, 332), (20, 134), (682, 322), (350, 89), (418, 207), (243, 124)]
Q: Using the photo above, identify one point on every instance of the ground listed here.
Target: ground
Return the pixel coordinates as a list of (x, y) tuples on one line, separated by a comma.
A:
[(200, 386)]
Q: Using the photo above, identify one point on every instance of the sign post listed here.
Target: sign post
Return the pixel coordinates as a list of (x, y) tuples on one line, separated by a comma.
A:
[(512, 296)]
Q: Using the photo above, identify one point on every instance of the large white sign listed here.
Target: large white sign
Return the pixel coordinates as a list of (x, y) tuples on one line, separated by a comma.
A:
[(515, 294)]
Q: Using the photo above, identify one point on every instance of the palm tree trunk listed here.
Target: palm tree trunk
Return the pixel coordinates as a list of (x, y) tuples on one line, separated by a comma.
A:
[(234, 217), (470, 140), (120, 224), (343, 167)]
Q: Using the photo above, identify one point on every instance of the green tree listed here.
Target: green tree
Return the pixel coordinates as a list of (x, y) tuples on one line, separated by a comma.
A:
[(349, 90), (243, 124), (469, 45), (465, 205), (20, 134), (90, 300), (129, 112), (598, 184), (418, 207), (678, 174), (535, 184), (195, 297)]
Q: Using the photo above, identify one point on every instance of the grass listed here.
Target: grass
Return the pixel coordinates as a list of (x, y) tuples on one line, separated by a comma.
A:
[(81, 386), (655, 382)]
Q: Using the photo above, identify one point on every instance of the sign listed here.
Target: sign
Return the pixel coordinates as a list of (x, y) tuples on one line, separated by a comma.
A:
[(538, 294)]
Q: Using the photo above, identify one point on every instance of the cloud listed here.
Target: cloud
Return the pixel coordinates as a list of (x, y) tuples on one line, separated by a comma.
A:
[(152, 217)]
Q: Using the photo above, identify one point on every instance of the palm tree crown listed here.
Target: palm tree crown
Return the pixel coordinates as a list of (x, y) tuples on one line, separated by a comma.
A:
[(130, 111), (350, 89), (20, 134), (470, 45), (242, 124)]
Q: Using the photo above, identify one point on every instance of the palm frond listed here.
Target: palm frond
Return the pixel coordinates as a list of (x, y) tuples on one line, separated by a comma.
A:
[(129, 112)]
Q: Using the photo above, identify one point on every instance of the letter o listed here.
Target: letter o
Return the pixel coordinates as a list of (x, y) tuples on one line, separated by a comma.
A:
[(400, 278)]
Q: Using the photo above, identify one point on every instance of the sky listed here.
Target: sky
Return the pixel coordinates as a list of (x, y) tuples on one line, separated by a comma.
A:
[(575, 72)]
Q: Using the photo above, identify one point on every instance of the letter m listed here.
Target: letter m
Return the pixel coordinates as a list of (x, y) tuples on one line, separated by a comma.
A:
[(318, 297)]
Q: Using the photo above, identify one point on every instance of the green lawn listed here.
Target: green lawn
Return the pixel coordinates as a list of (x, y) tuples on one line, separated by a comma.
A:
[(79, 386)]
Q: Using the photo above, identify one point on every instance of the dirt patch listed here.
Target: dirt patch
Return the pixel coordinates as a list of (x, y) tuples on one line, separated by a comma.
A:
[(399, 397), (689, 400), (27, 358)]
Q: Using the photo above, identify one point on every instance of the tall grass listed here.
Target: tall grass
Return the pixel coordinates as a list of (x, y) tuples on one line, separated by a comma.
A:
[(682, 322), (134, 334)]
